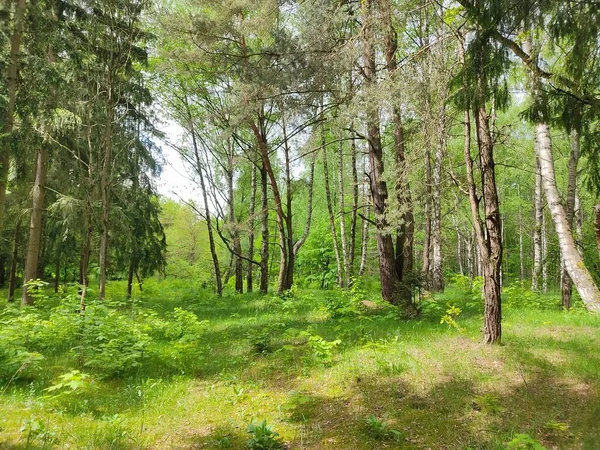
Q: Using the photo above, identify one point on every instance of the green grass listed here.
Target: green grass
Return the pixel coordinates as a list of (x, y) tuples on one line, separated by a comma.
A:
[(435, 386)]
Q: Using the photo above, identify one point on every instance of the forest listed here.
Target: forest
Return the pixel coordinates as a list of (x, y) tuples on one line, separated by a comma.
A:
[(390, 239)]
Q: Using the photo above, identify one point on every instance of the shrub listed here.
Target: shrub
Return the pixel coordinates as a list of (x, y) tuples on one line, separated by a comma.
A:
[(263, 437)]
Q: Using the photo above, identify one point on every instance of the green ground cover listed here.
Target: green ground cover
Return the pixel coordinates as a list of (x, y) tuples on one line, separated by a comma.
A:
[(179, 368)]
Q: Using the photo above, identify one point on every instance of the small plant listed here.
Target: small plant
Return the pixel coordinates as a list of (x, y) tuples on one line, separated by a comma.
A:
[(380, 430), (70, 383), (261, 338), (36, 432), (35, 289), (263, 437), (322, 350), (298, 407), (524, 442), (450, 317), (487, 403)]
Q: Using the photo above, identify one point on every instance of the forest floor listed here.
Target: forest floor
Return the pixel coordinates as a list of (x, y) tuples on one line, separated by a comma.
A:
[(324, 370)]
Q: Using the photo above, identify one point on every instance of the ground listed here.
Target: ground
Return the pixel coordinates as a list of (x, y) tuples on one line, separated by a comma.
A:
[(324, 373)]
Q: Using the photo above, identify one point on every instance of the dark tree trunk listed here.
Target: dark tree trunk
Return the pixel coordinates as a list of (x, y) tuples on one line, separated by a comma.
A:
[(12, 81), (12, 274), (251, 212), (35, 225), (567, 283), (264, 252), (130, 278), (597, 225)]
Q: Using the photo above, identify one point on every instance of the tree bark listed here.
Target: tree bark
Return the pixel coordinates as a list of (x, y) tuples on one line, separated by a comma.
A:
[(342, 212), (597, 225), (405, 231), (264, 252), (336, 249), (354, 215), (537, 230), (12, 81), (567, 283), (437, 282), (588, 291), (251, 212), (235, 235), (207, 216), (35, 224), (12, 273), (105, 188)]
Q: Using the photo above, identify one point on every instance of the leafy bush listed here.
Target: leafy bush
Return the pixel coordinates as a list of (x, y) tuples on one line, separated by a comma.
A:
[(321, 350), (380, 430), (524, 442), (110, 343), (263, 437), (261, 338)]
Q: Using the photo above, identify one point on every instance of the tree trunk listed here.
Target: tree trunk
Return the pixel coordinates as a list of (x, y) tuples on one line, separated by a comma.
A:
[(235, 235), (354, 215), (105, 189), (251, 212), (588, 291), (544, 255), (12, 81), (336, 249), (567, 283), (537, 230), (493, 256), (392, 289), (405, 231), (35, 225), (437, 282), (342, 211), (426, 270), (12, 273), (130, 278), (207, 216), (597, 225), (264, 252)]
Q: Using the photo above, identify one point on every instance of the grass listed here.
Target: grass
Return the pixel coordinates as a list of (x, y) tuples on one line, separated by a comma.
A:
[(387, 384)]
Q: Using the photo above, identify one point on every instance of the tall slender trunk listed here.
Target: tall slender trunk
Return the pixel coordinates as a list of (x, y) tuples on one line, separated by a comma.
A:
[(201, 171), (365, 227), (336, 249), (235, 235), (342, 212), (597, 225), (392, 288), (279, 213), (286, 273), (567, 283), (537, 230), (578, 218), (12, 81), (437, 282), (105, 189), (88, 226), (405, 231), (492, 262), (588, 291), (130, 274), (264, 252), (12, 273), (252, 221), (544, 255), (354, 215), (426, 270), (309, 208), (35, 224)]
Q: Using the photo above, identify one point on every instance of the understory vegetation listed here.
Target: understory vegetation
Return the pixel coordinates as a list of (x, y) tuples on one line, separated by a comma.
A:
[(177, 367)]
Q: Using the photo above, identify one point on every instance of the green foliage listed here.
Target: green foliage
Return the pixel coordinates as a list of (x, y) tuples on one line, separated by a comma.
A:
[(524, 442), (450, 316), (70, 383), (261, 338), (35, 432), (263, 437), (111, 344), (381, 430), (487, 403), (321, 349)]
